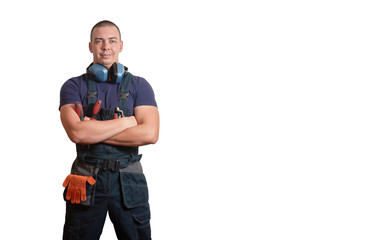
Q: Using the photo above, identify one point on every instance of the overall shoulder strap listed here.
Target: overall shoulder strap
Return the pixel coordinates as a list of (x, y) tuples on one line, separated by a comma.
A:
[(124, 94), (92, 92)]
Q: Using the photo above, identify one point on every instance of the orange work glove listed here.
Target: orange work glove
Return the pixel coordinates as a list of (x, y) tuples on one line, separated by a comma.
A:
[(77, 187)]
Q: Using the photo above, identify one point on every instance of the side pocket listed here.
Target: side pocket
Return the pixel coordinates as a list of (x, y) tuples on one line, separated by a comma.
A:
[(143, 227), (134, 189), (79, 168)]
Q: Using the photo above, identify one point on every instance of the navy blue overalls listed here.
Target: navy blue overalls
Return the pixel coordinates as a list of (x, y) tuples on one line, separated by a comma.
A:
[(120, 188)]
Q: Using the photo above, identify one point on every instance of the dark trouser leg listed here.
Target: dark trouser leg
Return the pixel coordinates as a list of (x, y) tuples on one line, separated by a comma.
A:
[(86, 222), (129, 223)]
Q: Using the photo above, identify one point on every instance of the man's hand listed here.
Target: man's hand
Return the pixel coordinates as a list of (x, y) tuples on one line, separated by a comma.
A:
[(132, 121), (145, 132)]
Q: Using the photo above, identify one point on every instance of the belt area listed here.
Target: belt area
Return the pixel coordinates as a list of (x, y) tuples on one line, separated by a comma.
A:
[(112, 164)]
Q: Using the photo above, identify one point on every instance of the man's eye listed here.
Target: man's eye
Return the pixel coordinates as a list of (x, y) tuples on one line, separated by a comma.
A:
[(98, 41)]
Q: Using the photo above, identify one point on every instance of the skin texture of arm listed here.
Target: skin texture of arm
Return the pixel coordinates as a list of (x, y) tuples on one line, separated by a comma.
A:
[(91, 132), (146, 132)]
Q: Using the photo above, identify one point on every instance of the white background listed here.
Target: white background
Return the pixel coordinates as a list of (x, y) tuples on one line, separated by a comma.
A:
[(266, 114)]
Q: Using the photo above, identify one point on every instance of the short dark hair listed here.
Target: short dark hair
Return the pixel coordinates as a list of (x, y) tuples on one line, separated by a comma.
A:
[(105, 23)]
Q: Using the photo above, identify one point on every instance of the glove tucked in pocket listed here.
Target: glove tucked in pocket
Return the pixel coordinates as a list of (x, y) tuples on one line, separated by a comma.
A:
[(76, 187)]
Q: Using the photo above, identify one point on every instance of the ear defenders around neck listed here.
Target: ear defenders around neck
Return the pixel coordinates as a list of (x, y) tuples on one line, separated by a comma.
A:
[(100, 73)]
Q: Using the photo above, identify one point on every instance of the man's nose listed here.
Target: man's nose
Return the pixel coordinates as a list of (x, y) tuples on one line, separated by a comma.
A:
[(105, 45)]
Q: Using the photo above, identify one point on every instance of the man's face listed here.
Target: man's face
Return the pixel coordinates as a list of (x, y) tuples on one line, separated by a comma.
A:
[(105, 45)]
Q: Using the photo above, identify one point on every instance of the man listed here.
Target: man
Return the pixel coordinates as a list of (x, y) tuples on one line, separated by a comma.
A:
[(108, 113)]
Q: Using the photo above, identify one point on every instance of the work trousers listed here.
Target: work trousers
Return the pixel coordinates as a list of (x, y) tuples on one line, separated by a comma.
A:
[(118, 194)]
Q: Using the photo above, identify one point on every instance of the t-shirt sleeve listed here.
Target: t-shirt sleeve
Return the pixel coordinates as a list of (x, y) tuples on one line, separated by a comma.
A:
[(69, 93), (144, 94)]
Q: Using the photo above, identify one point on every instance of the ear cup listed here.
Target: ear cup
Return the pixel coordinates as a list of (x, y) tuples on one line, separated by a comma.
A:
[(118, 73), (97, 72), (102, 74)]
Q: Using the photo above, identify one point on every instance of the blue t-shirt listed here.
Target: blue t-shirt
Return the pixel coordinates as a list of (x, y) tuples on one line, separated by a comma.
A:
[(140, 93)]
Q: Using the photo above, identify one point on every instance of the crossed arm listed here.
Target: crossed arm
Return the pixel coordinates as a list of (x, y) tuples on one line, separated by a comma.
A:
[(132, 131)]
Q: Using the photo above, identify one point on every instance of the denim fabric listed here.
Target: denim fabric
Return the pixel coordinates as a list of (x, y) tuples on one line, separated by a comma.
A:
[(129, 213)]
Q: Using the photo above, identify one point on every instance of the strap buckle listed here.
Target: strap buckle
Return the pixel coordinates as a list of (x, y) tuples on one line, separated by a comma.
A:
[(123, 95), (111, 165), (91, 94)]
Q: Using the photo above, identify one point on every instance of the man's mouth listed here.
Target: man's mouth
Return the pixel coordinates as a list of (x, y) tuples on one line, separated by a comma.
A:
[(105, 55)]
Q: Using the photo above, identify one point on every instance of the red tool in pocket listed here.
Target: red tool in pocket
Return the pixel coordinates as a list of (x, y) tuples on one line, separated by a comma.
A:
[(79, 110), (96, 110)]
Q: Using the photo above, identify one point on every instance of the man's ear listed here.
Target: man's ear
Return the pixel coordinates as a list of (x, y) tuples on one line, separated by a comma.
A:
[(90, 46), (121, 46)]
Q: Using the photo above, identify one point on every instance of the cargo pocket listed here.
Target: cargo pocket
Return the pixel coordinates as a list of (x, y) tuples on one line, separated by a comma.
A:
[(80, 168), (143, 228), (134, 189)]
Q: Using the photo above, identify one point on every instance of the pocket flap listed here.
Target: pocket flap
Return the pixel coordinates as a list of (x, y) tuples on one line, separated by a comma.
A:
[(134, 189), (143, 217)]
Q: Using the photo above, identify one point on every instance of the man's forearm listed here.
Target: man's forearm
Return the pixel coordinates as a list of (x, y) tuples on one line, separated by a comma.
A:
[(135, 136), (89, 131)]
